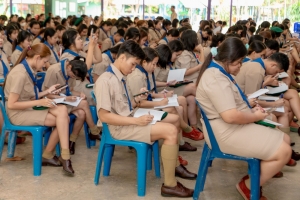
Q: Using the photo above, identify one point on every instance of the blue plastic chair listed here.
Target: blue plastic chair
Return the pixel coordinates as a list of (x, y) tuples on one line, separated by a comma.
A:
[(40, 80), (144, 161), (208, 155), (37, 137)]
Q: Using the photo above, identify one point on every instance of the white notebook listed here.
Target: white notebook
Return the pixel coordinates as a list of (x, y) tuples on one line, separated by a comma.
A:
[(176, 75), (74, 103), (142, 111), (258, 93), (275, 90), (172, 102)]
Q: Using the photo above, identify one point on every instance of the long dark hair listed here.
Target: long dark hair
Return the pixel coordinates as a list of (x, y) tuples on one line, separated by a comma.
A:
[(229, 51), (164, 55), (189, 40), (22, 36), (48, 32)]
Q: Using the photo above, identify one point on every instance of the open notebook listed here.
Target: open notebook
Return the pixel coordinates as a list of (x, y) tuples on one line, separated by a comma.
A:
[(172, 102), (62, 100), (142, 111)]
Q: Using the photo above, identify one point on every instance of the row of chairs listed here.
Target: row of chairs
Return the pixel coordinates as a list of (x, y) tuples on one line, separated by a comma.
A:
[(144, 153)]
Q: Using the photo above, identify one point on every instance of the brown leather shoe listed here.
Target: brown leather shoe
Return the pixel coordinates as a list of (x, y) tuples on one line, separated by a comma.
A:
[(67, 166), (182, 172), (94, 137), (178, 191), (51, 162), (72, 147), (187, 147)]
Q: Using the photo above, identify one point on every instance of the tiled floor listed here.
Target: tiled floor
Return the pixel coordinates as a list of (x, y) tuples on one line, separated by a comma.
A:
[(18, 183)]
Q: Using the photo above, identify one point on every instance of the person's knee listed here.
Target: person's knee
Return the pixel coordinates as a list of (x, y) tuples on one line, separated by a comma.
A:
[(172, 134), (62, 110), (84, 104), (81, 114)]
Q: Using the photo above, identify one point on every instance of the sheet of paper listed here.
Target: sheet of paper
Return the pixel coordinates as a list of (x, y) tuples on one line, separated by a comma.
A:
[(61, 100), (172, 102), (176, 75), (281, 88), (268, 98), (271, 122), (258, 93), (156, 113), (283, 75), (279, 109)]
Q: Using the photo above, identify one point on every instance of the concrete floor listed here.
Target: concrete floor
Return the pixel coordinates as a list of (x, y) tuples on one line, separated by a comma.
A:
[(18, 183)]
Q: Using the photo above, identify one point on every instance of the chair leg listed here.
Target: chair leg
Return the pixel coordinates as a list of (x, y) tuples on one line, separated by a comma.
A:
[(11, 146), (202, 172), (149, 158), (86, 134), (141, 171), (109, 149), (46, 137), (255, 179), (95, 119), (2, 138), (37, 153), (99, 162), (155, 149)]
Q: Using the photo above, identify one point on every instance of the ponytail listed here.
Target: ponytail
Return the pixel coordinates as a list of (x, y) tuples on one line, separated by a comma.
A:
[(204, 67)]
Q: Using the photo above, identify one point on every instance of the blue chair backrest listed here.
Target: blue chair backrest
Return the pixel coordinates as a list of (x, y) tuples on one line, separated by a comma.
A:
[(212, 139), (90, 75), (2, 95), (5, 117), (40, 80), (93, 96)]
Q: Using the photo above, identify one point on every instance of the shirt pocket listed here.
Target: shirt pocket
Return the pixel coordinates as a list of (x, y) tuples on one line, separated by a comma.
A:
[(28, 92), (121, 103)]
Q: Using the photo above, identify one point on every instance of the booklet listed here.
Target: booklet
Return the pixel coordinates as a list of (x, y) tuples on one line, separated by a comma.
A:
[(156, 113), (278, 109), (268, 98), (176, 75), (258, 93), (278, 90), (172, 102), (73, 103), (283, 75)]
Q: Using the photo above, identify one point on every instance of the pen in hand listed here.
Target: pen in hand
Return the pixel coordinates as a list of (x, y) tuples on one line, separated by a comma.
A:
[(53, 103)]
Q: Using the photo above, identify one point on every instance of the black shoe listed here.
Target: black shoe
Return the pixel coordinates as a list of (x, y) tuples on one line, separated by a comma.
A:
[(182, 172), (51, 162), (292, 144), (295, 155), (95, 137), (72, 147), (67, 166)]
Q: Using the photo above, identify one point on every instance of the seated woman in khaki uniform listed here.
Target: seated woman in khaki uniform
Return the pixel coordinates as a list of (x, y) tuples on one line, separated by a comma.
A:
[(112, 40), (216, 41), (171, 35), (39, 37), (65, 73), (104, 31), (232, 119), (115, 108), (108, 57), (12, 33), (256, 49), (92, 30), (167, 56), (154, 31), (188, 58), (24, 99), (4, 64), (50, 40), (204, 37), (22, 42), (73, 45)]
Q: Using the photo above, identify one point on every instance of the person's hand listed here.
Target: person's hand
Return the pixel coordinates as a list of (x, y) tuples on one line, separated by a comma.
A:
[(279, 103), (71, 98), (199, 48), (46, 103), (259, 115), (170, 93), (172, 82), (271, 80), (82, 95), (53, 88), (144, 120), (164, 102), (153, 45), (253, 102)]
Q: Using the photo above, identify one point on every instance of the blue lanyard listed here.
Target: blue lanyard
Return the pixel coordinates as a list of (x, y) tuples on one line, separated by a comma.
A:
[(87, 39), (261, 62), (30, 32), (112, 40), (62, 65), (149, 98), (246, 60), (196, 58), (5, 69), (165, 39), (51, 47), (122, 40), (215, 65), (40, 37), (71, 52), (109, 69), (164, 29), (104, 31), (146, 44), (170, 65), (108, 53), (33, 78), (19, 48)]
